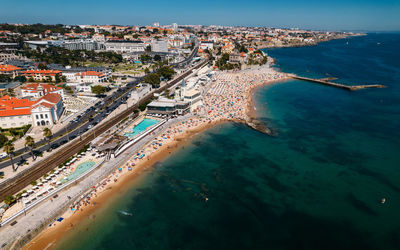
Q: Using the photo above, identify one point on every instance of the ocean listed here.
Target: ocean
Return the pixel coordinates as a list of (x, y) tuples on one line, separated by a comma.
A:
[(317, 184)]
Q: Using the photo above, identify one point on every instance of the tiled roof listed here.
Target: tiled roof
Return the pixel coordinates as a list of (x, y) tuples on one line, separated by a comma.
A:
[(8, 102), (90, 73), (11, 106), (5, 68), (14, 112), (43, 72), (47, 87)]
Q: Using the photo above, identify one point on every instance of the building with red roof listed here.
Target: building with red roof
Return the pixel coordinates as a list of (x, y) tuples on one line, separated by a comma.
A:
[(9, 70), (37, 90), (16, 112), (41, 75), (90, 77), (47, 110)]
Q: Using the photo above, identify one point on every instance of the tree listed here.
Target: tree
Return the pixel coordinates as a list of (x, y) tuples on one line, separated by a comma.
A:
[(98, 89), (42, 66), (9, 199), (157, 58), (3, 139), (153, 79), (9, 150), (148, 49), (30, 142), (5, 78), (145, 58), (20, 79), (47, 134), (166, 72)]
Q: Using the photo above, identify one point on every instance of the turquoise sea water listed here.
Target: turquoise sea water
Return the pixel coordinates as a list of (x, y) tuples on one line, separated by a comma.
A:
[(316, 185), (142, 126)]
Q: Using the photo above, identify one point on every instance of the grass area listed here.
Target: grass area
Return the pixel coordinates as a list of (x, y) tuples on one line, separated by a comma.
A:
[(126, 67), (96, 64)]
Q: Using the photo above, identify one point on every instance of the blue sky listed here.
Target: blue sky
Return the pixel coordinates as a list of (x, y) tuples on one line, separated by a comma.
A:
[(372, 15)]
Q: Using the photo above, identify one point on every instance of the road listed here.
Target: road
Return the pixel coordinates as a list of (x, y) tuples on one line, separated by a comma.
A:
[(91, 117), (15, 184)]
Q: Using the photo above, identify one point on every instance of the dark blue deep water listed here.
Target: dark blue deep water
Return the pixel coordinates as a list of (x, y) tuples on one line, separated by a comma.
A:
[(316, 185)]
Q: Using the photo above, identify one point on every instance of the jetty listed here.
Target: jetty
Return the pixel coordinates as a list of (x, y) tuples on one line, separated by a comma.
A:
[(327, 81)]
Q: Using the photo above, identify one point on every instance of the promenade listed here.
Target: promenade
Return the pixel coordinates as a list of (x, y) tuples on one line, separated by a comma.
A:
[(29, 225)]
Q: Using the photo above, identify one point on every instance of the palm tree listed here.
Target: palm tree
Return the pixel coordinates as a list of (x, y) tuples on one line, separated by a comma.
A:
[(48, 134), (30, 142), (9, 149)]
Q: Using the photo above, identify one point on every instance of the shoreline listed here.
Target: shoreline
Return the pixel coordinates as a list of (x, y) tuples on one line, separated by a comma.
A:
[(49, 237)]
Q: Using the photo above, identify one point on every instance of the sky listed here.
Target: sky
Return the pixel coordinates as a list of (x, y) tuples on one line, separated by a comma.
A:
[(357, 15)]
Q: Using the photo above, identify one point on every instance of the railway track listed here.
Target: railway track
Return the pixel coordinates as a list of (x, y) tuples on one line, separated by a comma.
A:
[(71, 149)]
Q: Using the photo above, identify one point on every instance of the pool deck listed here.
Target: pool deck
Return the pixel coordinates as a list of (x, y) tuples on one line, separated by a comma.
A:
[(138, 120)]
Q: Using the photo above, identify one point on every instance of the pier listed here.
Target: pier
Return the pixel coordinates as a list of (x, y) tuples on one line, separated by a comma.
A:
[(327, 81)]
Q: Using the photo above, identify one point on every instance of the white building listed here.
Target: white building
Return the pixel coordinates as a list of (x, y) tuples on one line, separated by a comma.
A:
[(189, 94), (206, 45), (37, 90), (90, 77), (175, 26), (84, 87), (124, 46), (141, 90), (16, 112), (47, 110), (159, 46)]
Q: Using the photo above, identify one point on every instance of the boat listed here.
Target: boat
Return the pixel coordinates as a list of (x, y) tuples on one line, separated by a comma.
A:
[(383, 200), (125, 213)]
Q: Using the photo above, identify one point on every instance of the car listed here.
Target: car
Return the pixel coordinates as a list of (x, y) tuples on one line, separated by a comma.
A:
[(90, 126), (63, 142), (3, 155)]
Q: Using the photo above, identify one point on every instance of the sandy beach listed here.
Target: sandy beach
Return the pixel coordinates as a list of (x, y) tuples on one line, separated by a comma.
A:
[(230, 98)]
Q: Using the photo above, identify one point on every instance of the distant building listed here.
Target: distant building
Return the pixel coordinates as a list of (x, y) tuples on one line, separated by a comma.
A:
[(175, 26), (41, 75), (156, 24), (237, 58), (159, 46), (206, 45), (8, 47), (70, 72), (84, 87), (9, 70), (4, 57), (90, 77), (80, 44), (124, 46)]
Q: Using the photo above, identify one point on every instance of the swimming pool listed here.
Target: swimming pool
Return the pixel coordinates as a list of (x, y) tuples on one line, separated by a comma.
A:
[(80, 169), (142, 126)]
